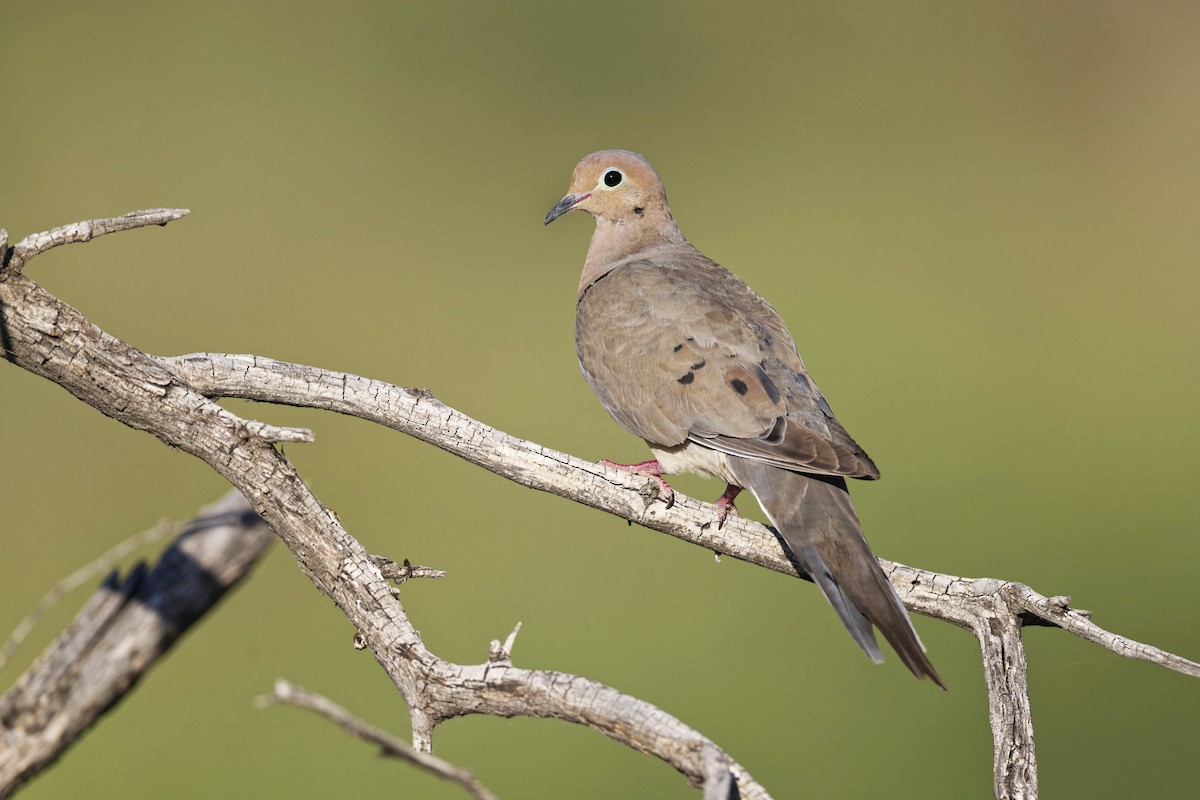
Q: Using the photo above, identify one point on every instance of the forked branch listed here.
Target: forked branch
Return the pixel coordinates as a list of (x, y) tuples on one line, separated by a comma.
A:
[(49, 338), (993, 610), (172, 398)]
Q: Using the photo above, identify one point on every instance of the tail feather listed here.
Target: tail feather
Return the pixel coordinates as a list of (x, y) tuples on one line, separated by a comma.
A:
[(816, 521), (859, 626)]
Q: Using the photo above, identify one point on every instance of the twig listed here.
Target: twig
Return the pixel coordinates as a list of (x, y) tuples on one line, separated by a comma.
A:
[(1056, 612), (85, 231), (275, 434), (502, 653), (399, 573), (389, 745)]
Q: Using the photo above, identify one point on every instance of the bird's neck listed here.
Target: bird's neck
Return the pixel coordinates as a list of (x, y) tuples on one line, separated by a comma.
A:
[(617, 239)]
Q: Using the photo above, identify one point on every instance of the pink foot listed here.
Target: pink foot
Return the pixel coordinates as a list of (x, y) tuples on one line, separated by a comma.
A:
[(725, 504), (651, 469)]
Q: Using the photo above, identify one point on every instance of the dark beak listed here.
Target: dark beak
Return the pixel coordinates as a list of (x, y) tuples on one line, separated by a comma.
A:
[(566, 204)]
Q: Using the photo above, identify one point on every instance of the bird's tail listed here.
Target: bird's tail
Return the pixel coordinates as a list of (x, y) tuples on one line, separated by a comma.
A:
[(814, 517)]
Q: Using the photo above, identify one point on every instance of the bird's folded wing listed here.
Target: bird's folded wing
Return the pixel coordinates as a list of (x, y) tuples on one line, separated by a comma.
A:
[(685, 351), (791, 446)]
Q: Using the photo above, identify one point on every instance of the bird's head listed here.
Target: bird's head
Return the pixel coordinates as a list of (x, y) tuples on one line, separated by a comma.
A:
[(616, 186)]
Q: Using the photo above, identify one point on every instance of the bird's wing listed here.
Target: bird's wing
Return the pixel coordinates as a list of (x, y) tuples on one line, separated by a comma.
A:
[(677, 348)]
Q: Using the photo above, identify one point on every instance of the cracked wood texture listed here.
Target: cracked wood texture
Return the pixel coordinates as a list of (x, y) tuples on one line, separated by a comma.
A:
[(42, 334), (993, 610), (170, 398)]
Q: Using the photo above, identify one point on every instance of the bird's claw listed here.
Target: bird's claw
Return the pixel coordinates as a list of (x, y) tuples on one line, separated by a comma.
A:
[(649, 469), (667, 493), (725, 505)]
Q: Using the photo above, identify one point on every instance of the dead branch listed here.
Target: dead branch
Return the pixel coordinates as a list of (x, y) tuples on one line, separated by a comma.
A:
[(47, 337), (993, 610), (390, 746), (120, 634), (76, 232), (171, 398)]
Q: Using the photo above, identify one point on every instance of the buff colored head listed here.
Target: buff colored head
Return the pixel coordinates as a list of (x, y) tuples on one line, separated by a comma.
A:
[(614, 186)]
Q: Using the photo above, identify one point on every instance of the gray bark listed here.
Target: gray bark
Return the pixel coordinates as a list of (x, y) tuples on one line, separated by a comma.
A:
[(171, 398)]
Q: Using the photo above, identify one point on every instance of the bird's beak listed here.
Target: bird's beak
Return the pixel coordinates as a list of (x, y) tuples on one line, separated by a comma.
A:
[(566, 204)]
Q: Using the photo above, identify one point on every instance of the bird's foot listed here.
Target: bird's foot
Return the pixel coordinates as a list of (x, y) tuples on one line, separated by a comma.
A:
[(650, 469), (725, 505)]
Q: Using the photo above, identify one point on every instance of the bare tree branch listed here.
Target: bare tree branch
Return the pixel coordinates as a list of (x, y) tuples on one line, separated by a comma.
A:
[(389, 745), (1055, 611), (120, 634), (1014, 761), (49, 338), (170, 398), (417, 413), (85, 231), (992, 610)]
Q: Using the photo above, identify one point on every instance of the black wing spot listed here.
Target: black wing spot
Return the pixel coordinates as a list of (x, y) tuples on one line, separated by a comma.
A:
[(699, 364), (768, 384), (639, 210), (677, 348), (738, 385), (686, 379)]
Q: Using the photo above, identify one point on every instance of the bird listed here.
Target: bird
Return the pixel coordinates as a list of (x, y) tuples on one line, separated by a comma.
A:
[(684, 354)]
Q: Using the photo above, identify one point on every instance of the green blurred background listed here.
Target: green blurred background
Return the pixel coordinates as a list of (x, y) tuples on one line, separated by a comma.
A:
[(980, 223)]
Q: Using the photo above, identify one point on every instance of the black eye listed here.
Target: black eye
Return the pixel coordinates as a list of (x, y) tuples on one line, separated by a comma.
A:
[(612, 178)]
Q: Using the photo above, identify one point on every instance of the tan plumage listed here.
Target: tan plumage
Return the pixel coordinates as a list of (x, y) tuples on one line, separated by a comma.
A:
[(682, 353)]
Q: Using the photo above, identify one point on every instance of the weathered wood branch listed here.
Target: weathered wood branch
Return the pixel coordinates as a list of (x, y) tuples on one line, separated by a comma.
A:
[(42, 334), (417, 413), (171, 398), (77, 232), (288, 693), (993, 610), (120, 634)]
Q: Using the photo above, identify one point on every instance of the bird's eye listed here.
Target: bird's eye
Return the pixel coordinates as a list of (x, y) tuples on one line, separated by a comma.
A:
[(612, 178)]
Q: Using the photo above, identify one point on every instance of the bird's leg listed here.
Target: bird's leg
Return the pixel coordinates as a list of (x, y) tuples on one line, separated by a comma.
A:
[(651, 469), (725, 504)]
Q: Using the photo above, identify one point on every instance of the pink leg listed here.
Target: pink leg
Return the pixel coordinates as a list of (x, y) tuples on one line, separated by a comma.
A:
[(651, 469), (725, 504)]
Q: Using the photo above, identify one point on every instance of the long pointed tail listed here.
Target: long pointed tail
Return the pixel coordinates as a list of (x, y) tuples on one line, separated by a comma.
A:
[(817, 522)]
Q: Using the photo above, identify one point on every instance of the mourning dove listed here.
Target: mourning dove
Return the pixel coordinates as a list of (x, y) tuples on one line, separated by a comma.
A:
[(684, 354)]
